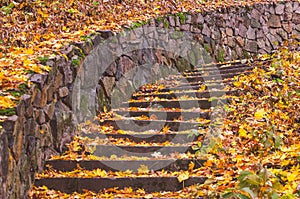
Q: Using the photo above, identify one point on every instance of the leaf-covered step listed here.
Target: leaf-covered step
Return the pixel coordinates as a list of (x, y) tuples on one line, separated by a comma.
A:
[(146, 125), (237, 70), (140, 137), (177, 85), (220, 67), (139, 151), (154, 164), (190, 93), (176, 103), (205, 78), (149, 184), (164, 114), (194, 86), (116, 193)]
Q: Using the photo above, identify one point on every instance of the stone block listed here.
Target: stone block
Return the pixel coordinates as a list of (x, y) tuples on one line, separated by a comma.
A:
[(200, 19), (58, 81), (108, 84), (242, 30), (260, 34), (44, 97), (251, 46), (287, 16), (50, 92), (63, 92), (188, 19), (251, 33), (240, 41), (279, 9), (229, 31), (296, 8), (171, 21), (18, 141), (230, 42), (68, 74), (261, 43), (255, 23), (288, 7), (185, 27), (49, 111), (206, 31), (255, 14), (274, 21), (36, 97), (38, 79)]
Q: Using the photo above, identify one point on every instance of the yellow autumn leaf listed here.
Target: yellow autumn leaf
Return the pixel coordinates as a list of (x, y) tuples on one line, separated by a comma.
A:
[(100, 173), (6, 102), (105, 109), (259, 114), (165, 129), (237, 84), (209, 163), (143, 169), (183, 176), (242, 132), (292, 176), (46, 68), (26, 62), (191, 166), (29, 51)]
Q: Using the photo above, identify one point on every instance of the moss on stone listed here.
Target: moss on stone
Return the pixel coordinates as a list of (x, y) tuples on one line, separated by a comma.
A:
[(221, 56), (207, 47), (166, 24), (182, 17), (246, 55), (8, 111)]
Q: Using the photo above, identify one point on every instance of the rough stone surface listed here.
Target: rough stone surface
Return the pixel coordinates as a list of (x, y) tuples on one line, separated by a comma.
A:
[(206, 31), (229, 31), (274, 21), (251, 46), (242, 30), (63, 92), (279, 9), (251, 34)]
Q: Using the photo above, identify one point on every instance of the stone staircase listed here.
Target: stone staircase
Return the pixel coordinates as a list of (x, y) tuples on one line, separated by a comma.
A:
[(157, 129)]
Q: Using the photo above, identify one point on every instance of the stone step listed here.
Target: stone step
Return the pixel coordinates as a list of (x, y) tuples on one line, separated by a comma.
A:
[(208, 83), (146, 125), (195, 86), (223, 70), (217, 84), (149, 184), (139, 150), (177, 103), (225, 66), (204, 78), (154, 164), (164, 114), (177, 138), (189, 93)]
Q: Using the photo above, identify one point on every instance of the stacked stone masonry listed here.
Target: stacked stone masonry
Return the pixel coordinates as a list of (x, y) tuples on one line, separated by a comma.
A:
[(46, 118)]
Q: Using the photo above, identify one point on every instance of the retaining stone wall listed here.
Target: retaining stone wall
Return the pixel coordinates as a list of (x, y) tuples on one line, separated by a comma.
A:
[(45, 120)]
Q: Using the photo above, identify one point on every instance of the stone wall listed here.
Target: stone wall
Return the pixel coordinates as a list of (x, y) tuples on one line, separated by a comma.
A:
[(81, 84)]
